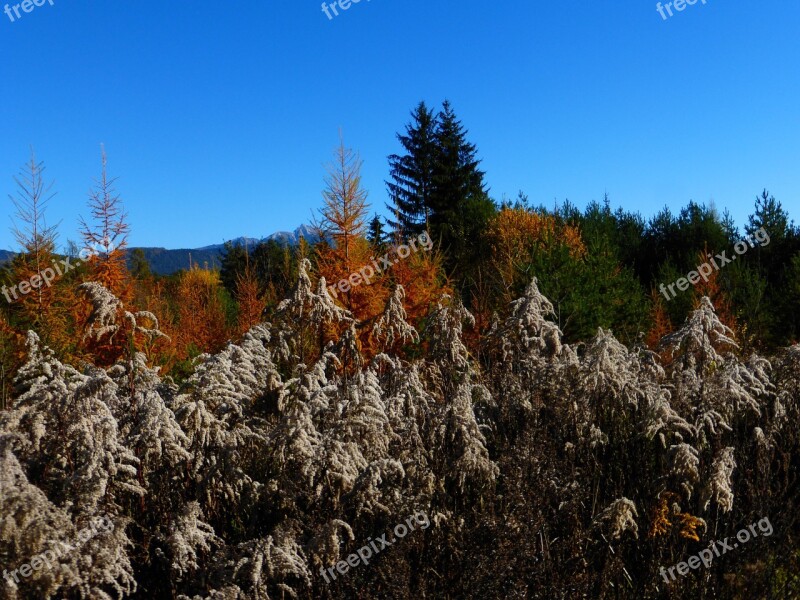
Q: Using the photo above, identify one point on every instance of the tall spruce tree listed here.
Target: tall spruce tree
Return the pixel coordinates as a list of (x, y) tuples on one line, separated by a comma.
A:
[(457, 178), (412, 174), (460, 206), (437, 186)]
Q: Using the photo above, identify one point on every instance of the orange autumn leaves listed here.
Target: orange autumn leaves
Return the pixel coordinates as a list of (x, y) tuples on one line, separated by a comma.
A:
[(686, 524), (345, 250), (517, 233)]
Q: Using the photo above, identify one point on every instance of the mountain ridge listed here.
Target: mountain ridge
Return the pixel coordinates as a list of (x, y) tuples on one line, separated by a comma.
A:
[(166, 261)]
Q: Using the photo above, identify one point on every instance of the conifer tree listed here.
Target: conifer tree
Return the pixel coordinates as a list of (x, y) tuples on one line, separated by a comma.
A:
[(770, 215), (376, 235), (343, 223), (140, 267), (250, 299), (233, 260), (32, 298), (345, 210), (107, 237), (201, 313), (437, 187), (412, 174), (460, 207), (661, 325)]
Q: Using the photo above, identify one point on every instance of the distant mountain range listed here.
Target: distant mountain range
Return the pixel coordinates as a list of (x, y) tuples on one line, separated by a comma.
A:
[(292, 238), (166, 262)]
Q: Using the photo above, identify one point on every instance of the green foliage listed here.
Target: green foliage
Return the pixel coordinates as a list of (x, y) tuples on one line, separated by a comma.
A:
[(412, 174), (139, 267), (748, 291), (790, 300), (376, 235), (677, 307), (437, 185), (460, 207), (591, 292), (274, 265)]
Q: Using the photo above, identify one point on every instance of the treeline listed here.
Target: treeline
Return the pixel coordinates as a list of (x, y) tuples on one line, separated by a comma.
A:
[(474, 378), (601, 267)]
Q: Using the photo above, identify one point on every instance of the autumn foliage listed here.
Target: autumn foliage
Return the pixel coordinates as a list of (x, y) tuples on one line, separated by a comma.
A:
[(246, 426), (201, 320), (518, 233)]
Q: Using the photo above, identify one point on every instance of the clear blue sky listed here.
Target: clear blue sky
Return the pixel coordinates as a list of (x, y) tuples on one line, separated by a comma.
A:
[(218, 117)]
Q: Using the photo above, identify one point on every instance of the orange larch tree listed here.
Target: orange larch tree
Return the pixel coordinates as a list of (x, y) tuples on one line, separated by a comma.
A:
[(344, 256), (250, 300), (151, 295), (105, 240), (661, 325), (201, 325), (35, 271), (104, 243)]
